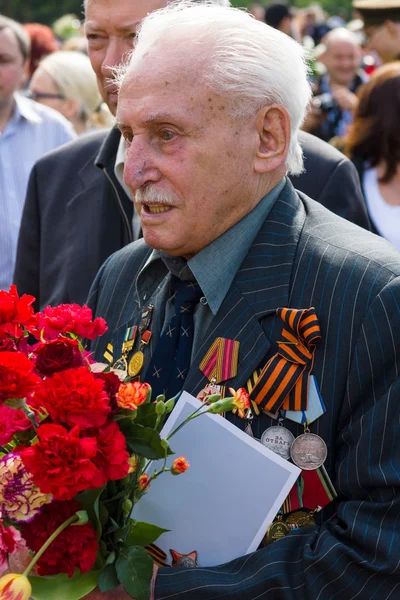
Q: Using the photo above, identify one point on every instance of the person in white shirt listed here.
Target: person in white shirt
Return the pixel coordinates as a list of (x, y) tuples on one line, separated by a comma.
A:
[(373, 143), (27, 131)]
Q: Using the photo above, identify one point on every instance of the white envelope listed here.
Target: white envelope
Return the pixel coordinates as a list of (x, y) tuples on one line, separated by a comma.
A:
[(222, 506)]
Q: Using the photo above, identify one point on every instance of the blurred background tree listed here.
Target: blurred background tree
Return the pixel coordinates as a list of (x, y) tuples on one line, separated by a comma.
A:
[(47, 11)]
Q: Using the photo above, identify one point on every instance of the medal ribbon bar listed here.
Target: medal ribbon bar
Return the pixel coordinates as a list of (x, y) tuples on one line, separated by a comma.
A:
[(221, 361), (283, 382)]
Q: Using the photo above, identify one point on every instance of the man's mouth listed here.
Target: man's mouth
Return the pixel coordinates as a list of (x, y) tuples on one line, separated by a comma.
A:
[(156, 208)]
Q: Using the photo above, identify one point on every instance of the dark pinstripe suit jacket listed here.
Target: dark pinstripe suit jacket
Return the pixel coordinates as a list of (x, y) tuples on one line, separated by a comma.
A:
[(306, 256)]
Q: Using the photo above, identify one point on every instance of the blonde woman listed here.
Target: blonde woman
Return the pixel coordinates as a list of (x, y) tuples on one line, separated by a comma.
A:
[(65, 81)]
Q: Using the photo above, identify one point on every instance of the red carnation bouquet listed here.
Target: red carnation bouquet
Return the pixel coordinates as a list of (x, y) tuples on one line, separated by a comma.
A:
[(75, 450)]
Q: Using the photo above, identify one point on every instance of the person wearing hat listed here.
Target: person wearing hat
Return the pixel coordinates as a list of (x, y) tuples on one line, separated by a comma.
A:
[(382, 26), (279, 16)]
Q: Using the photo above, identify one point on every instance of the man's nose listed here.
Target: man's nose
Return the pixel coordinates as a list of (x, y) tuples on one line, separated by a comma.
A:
[(116, 51), (140, 167)]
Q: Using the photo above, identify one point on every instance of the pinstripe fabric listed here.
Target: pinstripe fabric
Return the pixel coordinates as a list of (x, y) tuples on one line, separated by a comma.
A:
[(305, 256)]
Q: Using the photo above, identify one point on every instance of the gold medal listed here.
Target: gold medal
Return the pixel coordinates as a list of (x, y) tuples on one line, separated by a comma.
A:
[(276, 531), (136, 364), (301, 518), (120, 364)]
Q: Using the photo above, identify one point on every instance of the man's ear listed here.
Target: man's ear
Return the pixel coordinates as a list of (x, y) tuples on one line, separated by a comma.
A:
[(273, 128), (26, 73)]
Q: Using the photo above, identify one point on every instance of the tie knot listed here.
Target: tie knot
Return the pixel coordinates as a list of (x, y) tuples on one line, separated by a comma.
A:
[(187, 295)]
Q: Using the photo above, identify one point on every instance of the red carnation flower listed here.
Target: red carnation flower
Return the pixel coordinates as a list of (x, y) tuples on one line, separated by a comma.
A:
[(68, 318), (111, 386), (58, 355), (11, 421), (61, 463), (15, 312), (112, 456), (73, 397), (7, 345), (75, 548), (16, 377)]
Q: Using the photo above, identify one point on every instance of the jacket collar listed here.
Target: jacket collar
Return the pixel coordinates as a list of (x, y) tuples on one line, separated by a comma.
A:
[(261, 285), (108, 151)]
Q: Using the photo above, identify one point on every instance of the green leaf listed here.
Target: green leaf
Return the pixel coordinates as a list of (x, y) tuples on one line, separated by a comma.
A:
[(90, 500), (144, 441), (108, 578), (146, 415), (134, 570), (142, 534), (62, 586)]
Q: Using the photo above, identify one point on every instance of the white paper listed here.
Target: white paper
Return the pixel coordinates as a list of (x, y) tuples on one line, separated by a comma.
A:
[(223, 504)]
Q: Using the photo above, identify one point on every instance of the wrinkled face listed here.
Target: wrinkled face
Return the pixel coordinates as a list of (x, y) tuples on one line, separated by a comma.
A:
[(44, 90), (385, 40), (110, 30), (12, 72), (342, 59), (188, 163)]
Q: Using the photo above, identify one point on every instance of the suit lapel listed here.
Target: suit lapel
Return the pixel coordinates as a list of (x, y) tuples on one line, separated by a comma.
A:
[(261, 286)]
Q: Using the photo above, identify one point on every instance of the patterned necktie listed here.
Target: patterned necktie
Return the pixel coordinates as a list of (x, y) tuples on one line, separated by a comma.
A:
[(169, 365)]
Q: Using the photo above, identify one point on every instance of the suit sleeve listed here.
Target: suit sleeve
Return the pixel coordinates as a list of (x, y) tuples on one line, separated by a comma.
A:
[(27, 267), (355, 553), (343, 195)]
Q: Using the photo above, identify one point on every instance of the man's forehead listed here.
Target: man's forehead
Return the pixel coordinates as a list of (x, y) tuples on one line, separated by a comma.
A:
[(134, 11)]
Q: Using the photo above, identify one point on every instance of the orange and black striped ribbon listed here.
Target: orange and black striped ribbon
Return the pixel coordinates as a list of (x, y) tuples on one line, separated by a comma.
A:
[(158, 555), (283, 382)]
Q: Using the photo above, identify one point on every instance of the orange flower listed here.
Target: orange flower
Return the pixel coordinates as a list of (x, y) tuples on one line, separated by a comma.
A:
[(241, 401), (143, 484), (15, 587), (180, 465), (131, 395)]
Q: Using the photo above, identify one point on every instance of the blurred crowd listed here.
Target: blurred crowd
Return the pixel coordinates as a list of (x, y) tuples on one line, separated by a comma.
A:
[(49, 95)]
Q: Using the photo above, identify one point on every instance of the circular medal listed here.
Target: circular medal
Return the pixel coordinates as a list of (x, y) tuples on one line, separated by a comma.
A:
[(301, 518), (276, 531), (308, 451), (136, 364), (278, 439)]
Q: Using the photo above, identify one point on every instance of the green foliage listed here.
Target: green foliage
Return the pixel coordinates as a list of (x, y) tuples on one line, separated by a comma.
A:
[(134, 569), (142, 534), (143, 441), (45, 11), (108, 578), (90, 500), (62, 586)]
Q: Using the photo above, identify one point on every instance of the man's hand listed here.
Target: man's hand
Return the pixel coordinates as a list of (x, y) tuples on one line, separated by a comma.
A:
[(344, 98), (119, 593)]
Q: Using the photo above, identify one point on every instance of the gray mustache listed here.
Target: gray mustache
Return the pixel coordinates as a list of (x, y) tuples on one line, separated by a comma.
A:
[(150, 195)]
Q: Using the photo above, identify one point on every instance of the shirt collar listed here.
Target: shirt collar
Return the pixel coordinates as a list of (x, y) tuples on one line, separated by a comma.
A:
[(215, 267), (25, 108)]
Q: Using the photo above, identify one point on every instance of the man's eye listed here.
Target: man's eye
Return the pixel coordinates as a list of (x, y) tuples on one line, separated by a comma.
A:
[(132, 35), (167, 135)]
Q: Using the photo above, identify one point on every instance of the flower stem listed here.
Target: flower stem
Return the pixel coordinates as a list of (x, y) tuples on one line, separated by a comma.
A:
[(51, 539)]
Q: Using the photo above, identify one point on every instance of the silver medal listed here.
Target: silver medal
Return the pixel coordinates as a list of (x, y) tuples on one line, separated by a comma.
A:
[(308, 451), (278, 439)]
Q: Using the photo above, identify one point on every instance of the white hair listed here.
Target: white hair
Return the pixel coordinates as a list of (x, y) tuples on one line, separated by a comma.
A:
[(73, 75), (340, 34), (252, 63)]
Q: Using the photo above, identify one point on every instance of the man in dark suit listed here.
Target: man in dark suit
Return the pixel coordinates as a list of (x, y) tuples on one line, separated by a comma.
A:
[(254, 245), (77, 211)]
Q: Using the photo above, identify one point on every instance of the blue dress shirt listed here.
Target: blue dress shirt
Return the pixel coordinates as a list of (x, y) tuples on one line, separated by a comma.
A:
[(32, 131)]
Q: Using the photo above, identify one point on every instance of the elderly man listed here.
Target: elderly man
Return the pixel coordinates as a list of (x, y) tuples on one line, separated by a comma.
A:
[(335, 97), (382, 26), (78, 210), (210, 106)]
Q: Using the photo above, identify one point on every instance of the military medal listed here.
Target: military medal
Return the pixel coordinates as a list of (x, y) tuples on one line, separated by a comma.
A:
[(308, 451), (208, 390), (276, 531), (184, 561), (221, 361), (127, 345), (137, 360), (302, 517), (278, 439)]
